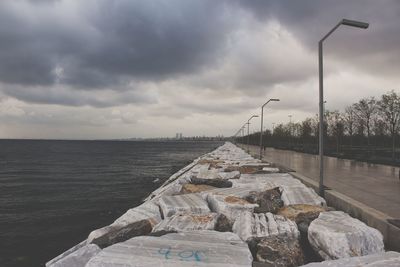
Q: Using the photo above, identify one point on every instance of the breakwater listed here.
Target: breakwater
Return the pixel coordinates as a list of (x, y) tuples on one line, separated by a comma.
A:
[(229, 209)]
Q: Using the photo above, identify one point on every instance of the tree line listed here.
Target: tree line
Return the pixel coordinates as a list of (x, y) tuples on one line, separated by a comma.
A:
[(367, 129)]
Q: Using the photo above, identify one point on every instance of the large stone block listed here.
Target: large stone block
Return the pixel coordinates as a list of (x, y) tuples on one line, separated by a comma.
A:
[(253, 225), (188, 203), (301, 195), (77, 256), (382, 259), (197, 248), (230, 206), (194, 188), (217, 182), (335, 235), (147, 211), (187, 222)]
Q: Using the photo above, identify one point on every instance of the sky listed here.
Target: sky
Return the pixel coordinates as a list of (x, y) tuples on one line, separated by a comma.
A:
[(105, 69)]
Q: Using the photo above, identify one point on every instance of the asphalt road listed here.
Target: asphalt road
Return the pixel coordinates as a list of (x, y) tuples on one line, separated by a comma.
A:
[(375, 185)]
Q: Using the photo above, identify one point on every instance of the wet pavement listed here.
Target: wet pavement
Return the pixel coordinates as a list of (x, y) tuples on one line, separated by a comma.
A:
[(375, 185)]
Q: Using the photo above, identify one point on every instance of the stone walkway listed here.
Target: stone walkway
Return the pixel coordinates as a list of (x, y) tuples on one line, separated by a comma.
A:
[(229, 209)]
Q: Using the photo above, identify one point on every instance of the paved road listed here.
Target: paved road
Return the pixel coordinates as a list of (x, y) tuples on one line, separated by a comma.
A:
[(375, 185)]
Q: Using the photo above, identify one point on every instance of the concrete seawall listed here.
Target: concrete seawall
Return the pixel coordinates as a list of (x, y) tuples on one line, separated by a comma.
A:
[(230, 209)]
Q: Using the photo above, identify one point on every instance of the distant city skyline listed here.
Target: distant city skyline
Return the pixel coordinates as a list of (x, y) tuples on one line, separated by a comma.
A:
[(98, 69)]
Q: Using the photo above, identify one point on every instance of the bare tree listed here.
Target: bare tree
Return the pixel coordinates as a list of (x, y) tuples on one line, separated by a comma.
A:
[(315, 125), (335, 123), (365, 110), (389, 107), (349, 120)]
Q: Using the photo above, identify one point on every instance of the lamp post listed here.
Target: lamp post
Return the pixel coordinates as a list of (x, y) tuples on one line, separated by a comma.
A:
[(352, 23), (262, 119), (248, 132)]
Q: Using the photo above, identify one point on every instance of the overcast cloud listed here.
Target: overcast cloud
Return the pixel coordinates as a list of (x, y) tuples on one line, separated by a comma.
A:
[(131, 68)]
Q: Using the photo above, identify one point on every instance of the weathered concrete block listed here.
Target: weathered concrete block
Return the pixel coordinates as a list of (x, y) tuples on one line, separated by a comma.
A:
[(335, 235), (251, 225)]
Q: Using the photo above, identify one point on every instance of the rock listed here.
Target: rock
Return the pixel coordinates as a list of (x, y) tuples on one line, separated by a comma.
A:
[(301, 213), (252, 168), (229, 175), (252, 225), (221, 183), (210, 161), (270, 169), (115, 233), (268, 201), (267, 180), (230, 206), (188, 203), (231, 168), (301, 195), (188, 222), (223, 224), (147, 211), (280, 251), (78, 256), (241, 191), (135, 222), (168, 187), (193, 188), (382, 259), (335, 235), (161, 233), (186, 249)]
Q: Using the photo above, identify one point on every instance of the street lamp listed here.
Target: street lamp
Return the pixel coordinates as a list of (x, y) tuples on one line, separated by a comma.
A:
[(262, 118), (248, 132), (352, 23)]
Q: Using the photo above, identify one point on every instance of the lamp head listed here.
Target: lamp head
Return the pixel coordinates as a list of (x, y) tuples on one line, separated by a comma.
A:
[(354, 23), (274, 99)]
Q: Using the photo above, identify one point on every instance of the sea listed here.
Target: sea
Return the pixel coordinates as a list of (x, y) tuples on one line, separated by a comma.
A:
[(54, 193)]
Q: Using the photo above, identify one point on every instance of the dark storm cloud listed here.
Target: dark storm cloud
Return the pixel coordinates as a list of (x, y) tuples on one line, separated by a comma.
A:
[(110, 42), (63, 52), (77, 98), (309, 20)]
